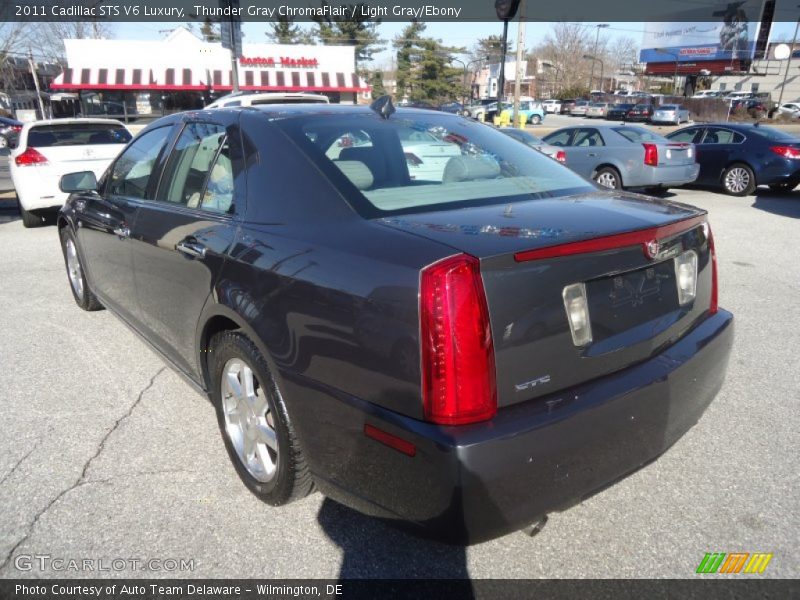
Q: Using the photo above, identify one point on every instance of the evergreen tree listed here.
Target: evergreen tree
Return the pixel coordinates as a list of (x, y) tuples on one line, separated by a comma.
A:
[(285, 31), (354, 29)]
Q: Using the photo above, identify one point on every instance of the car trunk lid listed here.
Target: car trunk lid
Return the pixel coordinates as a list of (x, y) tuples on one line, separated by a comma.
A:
[(632, 297)]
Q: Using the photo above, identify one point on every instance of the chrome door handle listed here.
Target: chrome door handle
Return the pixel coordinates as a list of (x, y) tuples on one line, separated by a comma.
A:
[(592, 153), (191, 249), (122, 231)]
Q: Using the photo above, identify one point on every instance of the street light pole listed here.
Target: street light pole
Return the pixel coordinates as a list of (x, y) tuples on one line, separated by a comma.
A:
[(788, 62), (594, 52)]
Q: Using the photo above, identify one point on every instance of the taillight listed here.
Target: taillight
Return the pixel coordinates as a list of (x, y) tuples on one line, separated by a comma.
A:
[(650, 154), (31, 156), (713, 306), (16, 128), (561, 156), (786, 151), (458, 371)]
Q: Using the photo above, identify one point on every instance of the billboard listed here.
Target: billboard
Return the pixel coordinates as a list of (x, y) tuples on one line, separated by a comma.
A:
[(730, 33)]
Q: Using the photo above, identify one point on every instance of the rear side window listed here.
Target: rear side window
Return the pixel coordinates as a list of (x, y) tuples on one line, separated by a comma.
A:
[(588, 137), (77, 134), (132, 170), (199, 171)]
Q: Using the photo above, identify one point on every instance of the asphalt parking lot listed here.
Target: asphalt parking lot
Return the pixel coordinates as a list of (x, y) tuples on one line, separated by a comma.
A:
[(106, 453)]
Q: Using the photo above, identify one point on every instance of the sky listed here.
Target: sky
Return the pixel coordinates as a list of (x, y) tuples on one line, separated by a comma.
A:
[(461, 34)]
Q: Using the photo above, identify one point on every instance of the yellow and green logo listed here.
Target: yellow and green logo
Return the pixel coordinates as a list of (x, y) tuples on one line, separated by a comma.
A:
[(734, 562)]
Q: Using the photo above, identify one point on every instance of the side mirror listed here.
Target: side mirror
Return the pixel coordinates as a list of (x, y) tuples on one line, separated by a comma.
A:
[(83, 181)]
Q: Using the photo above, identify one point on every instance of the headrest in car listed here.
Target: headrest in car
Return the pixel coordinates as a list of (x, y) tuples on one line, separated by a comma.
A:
[(357, 172), (467, 168)]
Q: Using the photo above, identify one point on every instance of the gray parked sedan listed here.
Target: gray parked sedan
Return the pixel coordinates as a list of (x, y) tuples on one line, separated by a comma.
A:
[(625, 156), (671, 113), (535, 142)]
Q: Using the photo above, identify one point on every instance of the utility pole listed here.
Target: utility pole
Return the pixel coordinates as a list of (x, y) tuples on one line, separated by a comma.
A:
[(520, 55), (594, 52), (35, 76)]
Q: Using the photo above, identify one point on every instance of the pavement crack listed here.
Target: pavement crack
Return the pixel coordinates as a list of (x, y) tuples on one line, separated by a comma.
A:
[(20, 461), (82, 479)]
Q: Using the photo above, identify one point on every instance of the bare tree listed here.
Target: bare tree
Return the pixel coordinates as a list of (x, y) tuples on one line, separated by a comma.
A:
[(50, 36), (564, 48)]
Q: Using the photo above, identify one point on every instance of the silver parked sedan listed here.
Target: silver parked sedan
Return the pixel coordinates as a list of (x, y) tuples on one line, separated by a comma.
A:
[(535, 142), (597, 110), (625, 156), (671, 113)]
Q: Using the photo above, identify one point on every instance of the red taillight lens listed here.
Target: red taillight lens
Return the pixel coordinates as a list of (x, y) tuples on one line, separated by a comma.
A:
[(458, 371), (786, 151), (561, 156), (714, 304), (16, 128), (650, 154), (31, 156)]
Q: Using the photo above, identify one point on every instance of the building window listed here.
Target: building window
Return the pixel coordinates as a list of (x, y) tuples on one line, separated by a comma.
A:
[(102, 76), (737, 87), (326, 80), (264, 79), (248, 79), (217, 78), (137, 77), (723, 87), (295, 79), (187, 77), (281, 79), (120, 77), (85, 75), (311, 80), (753, 87)]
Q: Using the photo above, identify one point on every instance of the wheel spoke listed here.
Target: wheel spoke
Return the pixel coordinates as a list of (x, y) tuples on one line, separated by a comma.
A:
[(260, 403), (249, 447), (267, 435), (234, 385)]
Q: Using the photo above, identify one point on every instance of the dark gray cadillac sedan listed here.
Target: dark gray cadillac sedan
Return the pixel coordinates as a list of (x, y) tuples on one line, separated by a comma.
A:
[(411, 312)]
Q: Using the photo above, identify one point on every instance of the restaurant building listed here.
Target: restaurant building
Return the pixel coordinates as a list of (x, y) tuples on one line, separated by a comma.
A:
[(184, 72)]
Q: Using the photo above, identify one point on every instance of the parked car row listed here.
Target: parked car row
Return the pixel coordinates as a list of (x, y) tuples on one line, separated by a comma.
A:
[(733, 157)]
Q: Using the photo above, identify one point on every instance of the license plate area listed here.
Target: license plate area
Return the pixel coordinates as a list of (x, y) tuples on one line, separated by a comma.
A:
[(625, 301)]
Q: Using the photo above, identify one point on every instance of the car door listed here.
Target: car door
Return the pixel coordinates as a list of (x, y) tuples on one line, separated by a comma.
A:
[(104, 221), (717, 149), (586, 151), (181, 236)]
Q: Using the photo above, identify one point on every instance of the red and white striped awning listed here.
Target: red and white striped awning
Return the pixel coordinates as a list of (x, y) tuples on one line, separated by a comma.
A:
[(287, 80), (94, 78), (184, 78)]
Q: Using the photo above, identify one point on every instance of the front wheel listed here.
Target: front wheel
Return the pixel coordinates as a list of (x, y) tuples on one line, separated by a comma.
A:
[(739, 180), (81, 292), (609, 178), (536, 119), (254, 421)]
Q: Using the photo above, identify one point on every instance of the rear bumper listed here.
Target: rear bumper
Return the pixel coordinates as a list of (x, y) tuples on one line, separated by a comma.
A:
[(664, 175), (472, 483)]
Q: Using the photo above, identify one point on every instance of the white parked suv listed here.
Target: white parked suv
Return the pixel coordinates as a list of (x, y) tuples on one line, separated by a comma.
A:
[(254, 99), (46, 150)]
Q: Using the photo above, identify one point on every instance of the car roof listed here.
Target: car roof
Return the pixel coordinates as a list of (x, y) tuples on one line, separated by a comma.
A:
[(88, 121)]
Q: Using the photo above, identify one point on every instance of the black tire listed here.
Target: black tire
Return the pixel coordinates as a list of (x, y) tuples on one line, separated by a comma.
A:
[(292, 479), (782, 187), (81, 292), (536, 119), (608, 177), (739, 180), (29, 219)]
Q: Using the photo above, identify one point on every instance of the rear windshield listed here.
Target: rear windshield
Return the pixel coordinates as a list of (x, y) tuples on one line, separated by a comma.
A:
[(421, 163), (637, 134), (668, 107), (77, 134)]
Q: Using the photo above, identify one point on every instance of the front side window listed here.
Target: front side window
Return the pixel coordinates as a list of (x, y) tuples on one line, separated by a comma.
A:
[(559, 138), (132, 170), (420, 163), (198, 173), (716, 135)]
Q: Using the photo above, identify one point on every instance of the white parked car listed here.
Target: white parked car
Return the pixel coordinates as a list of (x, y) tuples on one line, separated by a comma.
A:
[(707, 94), (552, 106), (670, 113), (790, 108), (254, 99), (49, 149)]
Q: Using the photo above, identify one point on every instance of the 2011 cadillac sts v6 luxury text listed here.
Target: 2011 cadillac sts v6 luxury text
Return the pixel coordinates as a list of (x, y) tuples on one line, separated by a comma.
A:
[(409, 311)]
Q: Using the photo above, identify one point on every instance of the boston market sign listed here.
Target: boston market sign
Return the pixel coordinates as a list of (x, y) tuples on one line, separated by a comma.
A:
[(281, 61)]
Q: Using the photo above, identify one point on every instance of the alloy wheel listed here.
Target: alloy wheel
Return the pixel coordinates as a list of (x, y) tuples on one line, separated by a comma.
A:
[(737, 180), (249, 422), (74, 269), (607, 179)]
